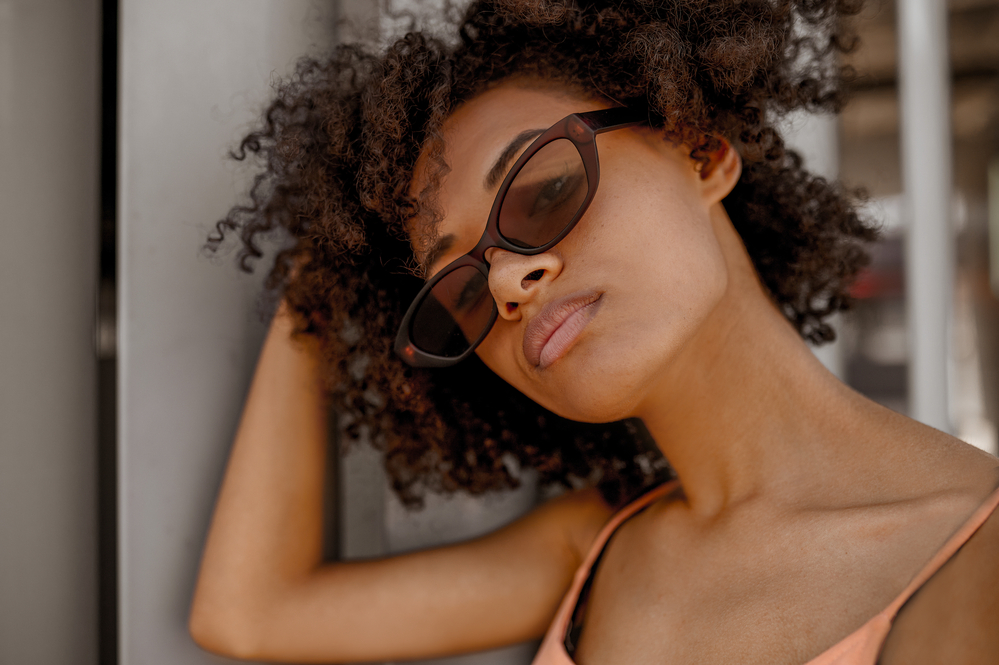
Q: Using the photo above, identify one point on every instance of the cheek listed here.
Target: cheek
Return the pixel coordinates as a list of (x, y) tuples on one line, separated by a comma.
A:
[(667, 276), (660, 235), (653, 247), (686, 282), (679, 227), (692, 271)]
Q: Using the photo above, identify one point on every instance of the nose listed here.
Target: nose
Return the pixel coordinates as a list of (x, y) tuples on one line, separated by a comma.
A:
[(515, 279)]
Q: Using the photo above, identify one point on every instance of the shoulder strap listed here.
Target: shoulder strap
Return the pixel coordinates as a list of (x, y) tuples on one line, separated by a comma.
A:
[(944, 554), (593, 557)]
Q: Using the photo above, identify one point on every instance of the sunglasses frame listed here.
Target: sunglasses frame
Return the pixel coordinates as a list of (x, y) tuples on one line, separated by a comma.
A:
[(581, 130)]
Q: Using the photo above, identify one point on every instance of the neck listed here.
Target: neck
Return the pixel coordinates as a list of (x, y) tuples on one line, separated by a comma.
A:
[(747, 411)]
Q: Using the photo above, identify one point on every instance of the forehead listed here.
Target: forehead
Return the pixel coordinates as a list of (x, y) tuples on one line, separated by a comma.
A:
[(507, 109), (479, 130)]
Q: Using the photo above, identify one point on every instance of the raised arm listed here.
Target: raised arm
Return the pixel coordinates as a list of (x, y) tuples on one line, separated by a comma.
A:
[(264, 593)]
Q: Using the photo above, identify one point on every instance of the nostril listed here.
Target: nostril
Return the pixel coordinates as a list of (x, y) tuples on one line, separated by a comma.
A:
[(534, 276)]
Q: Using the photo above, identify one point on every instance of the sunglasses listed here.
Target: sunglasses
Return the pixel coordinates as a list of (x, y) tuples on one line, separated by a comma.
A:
[(539, 202)]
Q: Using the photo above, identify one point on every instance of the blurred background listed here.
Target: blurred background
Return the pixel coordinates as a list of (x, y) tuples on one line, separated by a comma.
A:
[(125, 351), (876, 358)]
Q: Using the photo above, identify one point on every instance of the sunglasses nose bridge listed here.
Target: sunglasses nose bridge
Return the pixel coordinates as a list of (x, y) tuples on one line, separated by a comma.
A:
[(488, 241)]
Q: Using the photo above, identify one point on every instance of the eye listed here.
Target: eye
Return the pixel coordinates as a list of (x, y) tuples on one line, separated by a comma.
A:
[(553, 193), (471, 293), (462, 290), (544, 195)]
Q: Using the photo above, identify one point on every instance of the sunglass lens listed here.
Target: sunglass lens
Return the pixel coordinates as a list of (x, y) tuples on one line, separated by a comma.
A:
[(454, 314), (545, 196)]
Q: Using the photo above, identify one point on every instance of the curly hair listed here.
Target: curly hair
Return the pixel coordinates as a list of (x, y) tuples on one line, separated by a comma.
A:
[(337, 150)]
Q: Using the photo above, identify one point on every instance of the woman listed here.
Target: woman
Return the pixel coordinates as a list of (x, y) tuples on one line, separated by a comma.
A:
[(599, 212)]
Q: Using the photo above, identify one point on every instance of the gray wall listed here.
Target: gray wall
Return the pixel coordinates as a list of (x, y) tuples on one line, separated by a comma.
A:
[(49, 114), (193, 76)]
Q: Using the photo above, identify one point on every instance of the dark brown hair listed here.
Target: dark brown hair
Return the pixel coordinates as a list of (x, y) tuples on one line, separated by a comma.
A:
[(337, 150)]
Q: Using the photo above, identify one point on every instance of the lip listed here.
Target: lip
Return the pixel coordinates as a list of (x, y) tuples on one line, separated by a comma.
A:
[(553, 330)]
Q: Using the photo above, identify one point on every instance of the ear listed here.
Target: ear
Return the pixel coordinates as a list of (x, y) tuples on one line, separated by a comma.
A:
[(720, 173)]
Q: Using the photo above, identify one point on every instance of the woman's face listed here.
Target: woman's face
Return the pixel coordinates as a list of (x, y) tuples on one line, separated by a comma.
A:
[(588, 328)]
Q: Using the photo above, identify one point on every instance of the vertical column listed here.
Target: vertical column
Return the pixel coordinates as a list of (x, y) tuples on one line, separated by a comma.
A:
[(994, 225), (816, 138), (926, 176), (49, 122)]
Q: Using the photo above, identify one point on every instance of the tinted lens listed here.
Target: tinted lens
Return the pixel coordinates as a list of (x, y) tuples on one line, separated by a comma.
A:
[(545, 196), (453, 314)]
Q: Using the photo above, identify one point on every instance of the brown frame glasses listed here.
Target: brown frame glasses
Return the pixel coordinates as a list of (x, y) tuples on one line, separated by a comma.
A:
[(448, 319)]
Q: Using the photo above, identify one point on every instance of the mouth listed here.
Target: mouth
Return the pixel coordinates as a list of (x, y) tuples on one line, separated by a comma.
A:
[(553, 330)]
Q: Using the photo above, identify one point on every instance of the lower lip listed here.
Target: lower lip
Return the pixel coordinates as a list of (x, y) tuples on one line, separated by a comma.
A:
[(566, 334)]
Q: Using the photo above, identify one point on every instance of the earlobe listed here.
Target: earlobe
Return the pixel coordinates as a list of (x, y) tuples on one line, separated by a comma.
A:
[(720, 174)]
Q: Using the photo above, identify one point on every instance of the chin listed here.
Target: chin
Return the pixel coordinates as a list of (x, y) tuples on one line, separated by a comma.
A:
[(601, 391), (591, 407)]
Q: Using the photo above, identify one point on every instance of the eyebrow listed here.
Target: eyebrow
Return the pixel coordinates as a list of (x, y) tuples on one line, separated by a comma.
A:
[(500, 167), (440, 246)]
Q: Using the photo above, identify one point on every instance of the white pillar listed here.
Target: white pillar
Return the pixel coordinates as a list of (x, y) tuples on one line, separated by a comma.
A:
[(924, 94), (816, 138), (193, 77)]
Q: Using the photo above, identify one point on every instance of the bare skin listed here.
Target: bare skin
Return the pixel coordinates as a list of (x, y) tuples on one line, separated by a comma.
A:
[(804, 510), (263, 592)]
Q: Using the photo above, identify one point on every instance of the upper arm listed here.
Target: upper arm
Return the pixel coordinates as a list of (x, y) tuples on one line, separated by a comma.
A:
[(499, 589), (954, 617)]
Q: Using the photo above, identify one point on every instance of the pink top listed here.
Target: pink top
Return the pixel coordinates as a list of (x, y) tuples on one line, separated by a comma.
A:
[(858, 648)]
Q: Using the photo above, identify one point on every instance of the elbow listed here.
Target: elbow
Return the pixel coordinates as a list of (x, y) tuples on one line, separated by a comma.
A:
[(224, 631)]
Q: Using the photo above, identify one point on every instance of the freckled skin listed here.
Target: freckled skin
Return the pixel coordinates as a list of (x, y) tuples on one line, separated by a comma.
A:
[(646, 243)]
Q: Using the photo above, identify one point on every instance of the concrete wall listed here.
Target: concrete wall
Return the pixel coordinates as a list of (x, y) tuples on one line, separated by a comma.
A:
[(194, 75)]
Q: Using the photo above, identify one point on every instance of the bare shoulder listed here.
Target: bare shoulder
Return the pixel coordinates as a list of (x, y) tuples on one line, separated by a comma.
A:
[(954, 617), (582, 513)]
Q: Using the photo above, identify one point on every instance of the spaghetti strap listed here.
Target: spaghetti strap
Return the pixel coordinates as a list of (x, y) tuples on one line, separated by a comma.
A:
[(552, 650), (944, 554), (858, 648), (617, 519), (863, 646)]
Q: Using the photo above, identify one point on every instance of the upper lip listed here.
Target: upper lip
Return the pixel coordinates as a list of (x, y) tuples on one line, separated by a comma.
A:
[(544, 324)]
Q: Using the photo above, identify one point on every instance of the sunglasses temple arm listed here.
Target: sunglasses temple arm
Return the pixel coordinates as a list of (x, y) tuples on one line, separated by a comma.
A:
[(605, 120)]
